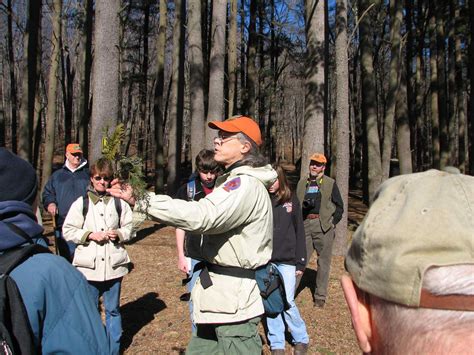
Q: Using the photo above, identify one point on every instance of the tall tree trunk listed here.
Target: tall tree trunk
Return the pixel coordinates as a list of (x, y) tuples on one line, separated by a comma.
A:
[(232, 55), (158, 111), (396, 16), (442, 83), (85, 78), (313, 134), (177, 91), (143, 111), (471, 94), (67, 80), (403, 127), (216, 67), (252, 73), (453, 141), (369, 102), (196, 79), (342, 122), (52, 92), (11, 67), (460, 89), (434, 93), (260, 73), (105, 91), (29, 80)]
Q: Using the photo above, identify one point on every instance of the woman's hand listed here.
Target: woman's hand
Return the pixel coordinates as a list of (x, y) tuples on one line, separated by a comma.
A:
[(112, 235), (98, 237)]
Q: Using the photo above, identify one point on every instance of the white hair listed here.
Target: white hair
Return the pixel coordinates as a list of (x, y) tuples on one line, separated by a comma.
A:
[(404, 330)]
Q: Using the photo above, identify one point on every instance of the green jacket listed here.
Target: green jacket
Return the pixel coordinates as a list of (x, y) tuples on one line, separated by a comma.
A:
[(237, 223), (331, 208)]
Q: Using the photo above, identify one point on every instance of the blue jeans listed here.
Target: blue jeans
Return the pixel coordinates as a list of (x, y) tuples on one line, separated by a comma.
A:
[(190, 285), (110, 290), (292, 317)]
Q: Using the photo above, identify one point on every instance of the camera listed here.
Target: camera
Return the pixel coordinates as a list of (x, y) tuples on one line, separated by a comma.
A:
[(309, 203)]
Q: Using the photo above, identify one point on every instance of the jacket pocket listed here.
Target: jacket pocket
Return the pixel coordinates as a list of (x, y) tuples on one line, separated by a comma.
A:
[(118, 257), (222, 296), (83, 258)]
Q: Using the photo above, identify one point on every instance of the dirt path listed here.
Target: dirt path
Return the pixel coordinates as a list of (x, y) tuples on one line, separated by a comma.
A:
[(157, 322)]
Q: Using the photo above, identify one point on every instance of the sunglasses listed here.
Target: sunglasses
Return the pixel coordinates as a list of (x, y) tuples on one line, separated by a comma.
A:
[(105, 178)]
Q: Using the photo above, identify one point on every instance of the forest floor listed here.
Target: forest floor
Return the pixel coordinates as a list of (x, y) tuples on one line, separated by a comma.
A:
[(155, 321)]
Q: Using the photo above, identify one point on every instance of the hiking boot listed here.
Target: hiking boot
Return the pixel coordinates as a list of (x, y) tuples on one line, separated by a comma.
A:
[(300, 349), (319, 303), (278, 352)]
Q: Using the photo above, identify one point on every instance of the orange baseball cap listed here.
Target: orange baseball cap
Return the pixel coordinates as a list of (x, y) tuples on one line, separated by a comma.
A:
[(319, 157), (73, 148), (238, 124)]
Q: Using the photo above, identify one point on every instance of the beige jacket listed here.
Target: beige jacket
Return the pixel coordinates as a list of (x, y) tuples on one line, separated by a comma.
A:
[(99, 262), (237, 223)]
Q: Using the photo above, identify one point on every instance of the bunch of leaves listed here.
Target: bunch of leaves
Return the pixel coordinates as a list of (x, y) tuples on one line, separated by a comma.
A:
[(129, 170)]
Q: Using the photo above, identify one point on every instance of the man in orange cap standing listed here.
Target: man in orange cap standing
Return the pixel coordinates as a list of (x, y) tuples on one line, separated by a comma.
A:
[(322, 209), (236, 221), (62, 189)]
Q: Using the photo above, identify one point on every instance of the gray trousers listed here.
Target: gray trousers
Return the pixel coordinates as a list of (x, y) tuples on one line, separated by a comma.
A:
[(322, 242)]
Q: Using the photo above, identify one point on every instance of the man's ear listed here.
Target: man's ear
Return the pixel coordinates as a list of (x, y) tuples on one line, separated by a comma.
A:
[(360, 314), (245, 147)]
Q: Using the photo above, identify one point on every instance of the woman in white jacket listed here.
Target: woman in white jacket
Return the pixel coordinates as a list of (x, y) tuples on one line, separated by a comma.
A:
[(99, 233)]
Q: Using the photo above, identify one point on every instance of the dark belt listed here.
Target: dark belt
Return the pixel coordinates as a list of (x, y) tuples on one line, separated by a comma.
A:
[(205, 267), (312, 216)]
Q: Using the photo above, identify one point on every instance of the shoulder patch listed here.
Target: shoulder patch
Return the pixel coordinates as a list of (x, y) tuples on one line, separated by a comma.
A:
[(233, 184)]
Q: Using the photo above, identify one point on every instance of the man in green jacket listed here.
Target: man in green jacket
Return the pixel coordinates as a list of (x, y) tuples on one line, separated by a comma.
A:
[(237, 224), (322, 210)]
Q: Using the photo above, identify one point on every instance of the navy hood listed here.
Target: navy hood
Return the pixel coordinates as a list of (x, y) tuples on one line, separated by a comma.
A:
[(21, 215)]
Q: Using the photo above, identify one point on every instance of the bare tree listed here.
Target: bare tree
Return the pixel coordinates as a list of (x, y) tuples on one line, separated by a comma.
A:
[(85, 77), (105, 91), (29, 80), (196, 78), (232, 55), (216, 75), (158, 111), (369, 101), (52, 92), (342, 122), (313, 136), (11, 67), (177, 93)]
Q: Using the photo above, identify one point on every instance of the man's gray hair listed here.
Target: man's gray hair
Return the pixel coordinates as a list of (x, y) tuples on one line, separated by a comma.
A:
[(253, 158), (403, 330)]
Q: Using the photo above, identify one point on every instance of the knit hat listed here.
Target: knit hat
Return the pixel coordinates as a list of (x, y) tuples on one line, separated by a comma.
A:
[(18, 180), (238, 124), (416, 221)]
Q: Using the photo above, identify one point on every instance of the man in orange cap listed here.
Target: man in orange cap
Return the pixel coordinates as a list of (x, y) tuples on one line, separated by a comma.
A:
[(237, 225), (62, 189), (322, 209)]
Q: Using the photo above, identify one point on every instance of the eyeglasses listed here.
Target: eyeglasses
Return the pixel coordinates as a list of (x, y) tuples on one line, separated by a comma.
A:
[(77, 155), (105, 178), (222, 138), (316, 163)]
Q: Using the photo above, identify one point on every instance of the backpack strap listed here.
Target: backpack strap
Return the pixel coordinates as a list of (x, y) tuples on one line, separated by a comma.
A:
[(118, 208), (191, 189), (14, 257), (85, 206)]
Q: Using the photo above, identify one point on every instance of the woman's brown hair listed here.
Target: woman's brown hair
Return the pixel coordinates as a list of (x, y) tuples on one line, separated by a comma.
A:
[(102, 167), (284, 192)]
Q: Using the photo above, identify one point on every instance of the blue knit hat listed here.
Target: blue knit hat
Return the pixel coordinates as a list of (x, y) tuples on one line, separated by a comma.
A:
[(18, 180)]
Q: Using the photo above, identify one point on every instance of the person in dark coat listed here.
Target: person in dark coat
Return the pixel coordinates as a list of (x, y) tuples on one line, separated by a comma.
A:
[(61, 312)]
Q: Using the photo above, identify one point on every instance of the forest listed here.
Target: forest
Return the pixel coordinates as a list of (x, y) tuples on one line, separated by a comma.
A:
[(381, 87)]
